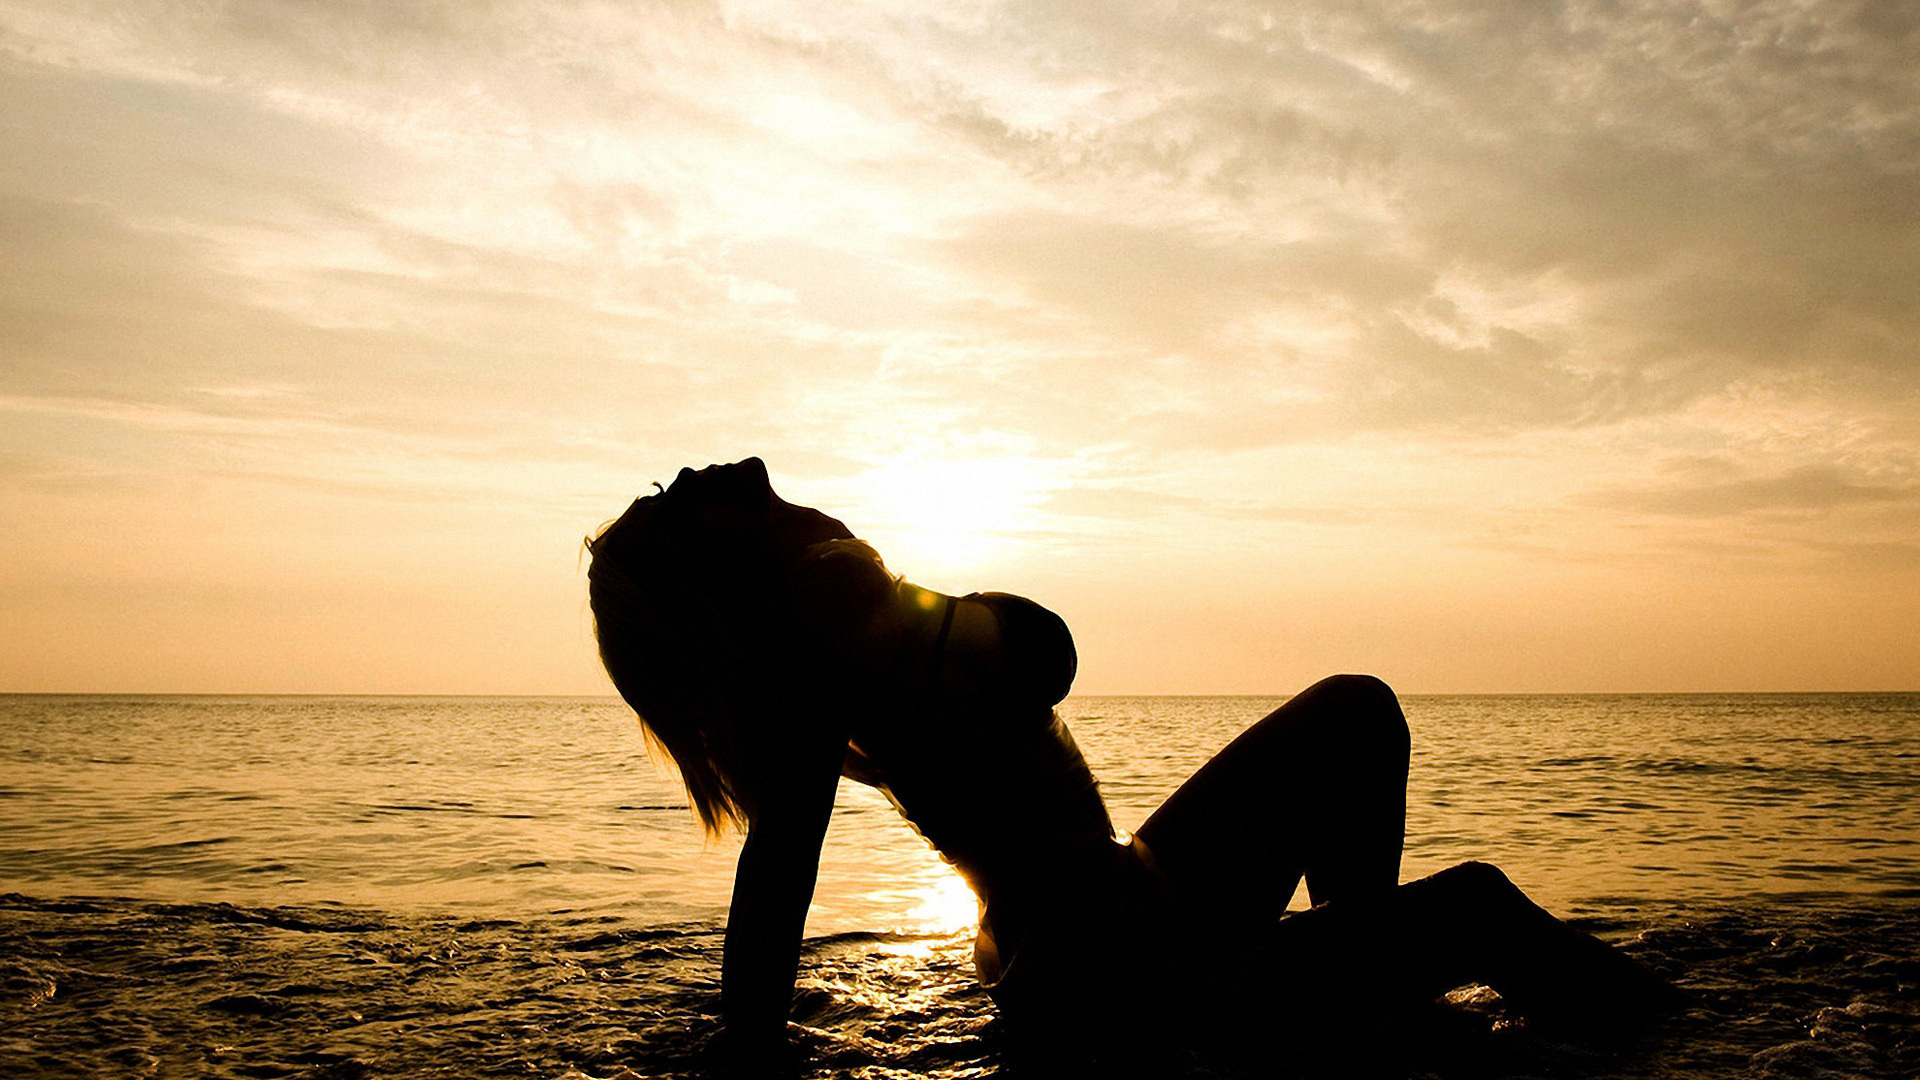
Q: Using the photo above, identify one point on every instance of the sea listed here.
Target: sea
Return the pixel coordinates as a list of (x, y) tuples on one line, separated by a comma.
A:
[(510, 887)]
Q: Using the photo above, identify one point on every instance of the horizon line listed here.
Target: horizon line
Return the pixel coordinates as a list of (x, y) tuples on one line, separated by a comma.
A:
[(612, 696)]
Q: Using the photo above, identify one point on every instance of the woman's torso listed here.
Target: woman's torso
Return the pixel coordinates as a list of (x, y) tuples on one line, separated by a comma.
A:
[(996, 783)]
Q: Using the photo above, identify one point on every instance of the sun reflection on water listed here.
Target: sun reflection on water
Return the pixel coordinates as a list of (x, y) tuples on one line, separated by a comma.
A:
[(944, 906)]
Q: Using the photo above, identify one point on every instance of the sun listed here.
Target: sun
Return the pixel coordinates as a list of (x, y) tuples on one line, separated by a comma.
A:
[(932, 519)]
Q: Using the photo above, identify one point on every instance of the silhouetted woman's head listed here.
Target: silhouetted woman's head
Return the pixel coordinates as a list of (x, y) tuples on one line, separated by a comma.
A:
[(722, 609)]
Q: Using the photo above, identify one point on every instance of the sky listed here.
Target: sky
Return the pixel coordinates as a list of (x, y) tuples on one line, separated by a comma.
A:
[(1486, 347)]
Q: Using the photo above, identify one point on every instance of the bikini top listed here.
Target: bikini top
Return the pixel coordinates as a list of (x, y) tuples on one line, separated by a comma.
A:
[(1037, 658)]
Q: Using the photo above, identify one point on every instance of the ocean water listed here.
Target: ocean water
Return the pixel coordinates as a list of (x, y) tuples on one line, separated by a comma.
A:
[(507, 886)]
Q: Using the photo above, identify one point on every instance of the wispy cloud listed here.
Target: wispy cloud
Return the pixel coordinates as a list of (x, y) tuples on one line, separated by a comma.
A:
[(1810, 489)]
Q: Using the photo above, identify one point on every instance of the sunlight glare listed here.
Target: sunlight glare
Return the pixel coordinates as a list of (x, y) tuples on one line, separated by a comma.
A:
[(934, 518), (947, 906)]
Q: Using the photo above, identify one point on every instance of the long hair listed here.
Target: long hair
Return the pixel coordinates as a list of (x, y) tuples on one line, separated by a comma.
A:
[(710, 626)]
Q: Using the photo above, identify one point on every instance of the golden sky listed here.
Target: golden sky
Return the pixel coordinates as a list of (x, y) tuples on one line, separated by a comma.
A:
[(1482, 346)]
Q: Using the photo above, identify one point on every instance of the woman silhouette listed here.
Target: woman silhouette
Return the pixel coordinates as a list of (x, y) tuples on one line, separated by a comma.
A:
[(770, 653)]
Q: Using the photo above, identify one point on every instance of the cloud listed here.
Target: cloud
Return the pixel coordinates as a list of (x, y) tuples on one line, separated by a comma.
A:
[(1119, 504), (1809, 489), (1479, 217), (1257, 228)]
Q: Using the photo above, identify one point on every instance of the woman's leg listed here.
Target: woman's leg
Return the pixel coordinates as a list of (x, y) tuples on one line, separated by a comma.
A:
[(1317, 788), (1372, 958)]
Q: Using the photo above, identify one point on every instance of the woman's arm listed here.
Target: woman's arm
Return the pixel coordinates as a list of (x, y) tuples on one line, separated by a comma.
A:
[(772, 888)]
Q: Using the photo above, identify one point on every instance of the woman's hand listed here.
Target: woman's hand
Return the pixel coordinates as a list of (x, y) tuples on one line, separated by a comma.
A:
[(736, 1055)]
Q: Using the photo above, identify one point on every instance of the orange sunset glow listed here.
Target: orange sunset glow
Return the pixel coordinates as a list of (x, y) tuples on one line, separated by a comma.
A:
[(1485, 348)]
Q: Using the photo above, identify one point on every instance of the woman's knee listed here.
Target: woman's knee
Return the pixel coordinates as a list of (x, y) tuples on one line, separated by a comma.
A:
[(1360, 689), (1477, 881), (1367, 709)]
